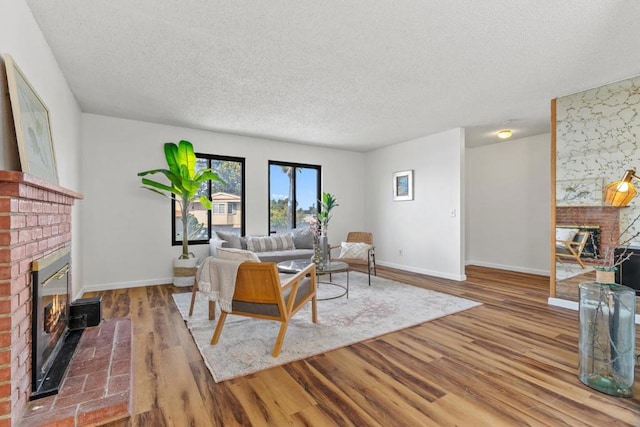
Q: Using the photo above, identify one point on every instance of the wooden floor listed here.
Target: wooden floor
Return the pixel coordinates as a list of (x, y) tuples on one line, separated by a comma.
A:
[(510, 362)]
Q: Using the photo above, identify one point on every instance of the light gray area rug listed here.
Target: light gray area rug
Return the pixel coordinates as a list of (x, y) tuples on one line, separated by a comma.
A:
[(245, 344)]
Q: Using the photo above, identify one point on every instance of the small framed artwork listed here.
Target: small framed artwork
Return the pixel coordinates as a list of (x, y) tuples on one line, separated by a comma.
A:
[(403, 185), (33, 129)]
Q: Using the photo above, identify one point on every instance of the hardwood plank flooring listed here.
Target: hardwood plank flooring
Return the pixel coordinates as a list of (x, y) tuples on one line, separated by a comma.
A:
[(510, 362)]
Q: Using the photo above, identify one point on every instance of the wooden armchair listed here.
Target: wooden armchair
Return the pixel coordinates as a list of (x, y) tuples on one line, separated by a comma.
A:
[(259, 293), (572, 248), (370, 259)]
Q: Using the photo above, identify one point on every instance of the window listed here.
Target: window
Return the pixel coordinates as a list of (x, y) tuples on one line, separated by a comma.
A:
[(219, 208), (227, 212), (294, 193)]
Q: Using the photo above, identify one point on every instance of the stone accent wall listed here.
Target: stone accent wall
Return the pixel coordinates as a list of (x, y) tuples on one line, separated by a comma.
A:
[(35, 220), (597, 140)]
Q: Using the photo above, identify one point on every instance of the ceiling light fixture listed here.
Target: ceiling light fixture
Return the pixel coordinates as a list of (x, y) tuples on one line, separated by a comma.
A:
[(504, 133)]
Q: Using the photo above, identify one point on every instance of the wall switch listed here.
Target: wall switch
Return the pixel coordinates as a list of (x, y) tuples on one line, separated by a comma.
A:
[(400, 252), (453, 213)]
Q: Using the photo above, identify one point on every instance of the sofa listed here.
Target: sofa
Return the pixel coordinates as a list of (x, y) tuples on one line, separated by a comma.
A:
[(297, 244)]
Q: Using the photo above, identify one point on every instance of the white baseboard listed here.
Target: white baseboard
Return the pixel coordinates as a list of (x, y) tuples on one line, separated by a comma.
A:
[(169, 280), (456, 277), (123, 285), (510, 268), (558, 302), (572, 305)]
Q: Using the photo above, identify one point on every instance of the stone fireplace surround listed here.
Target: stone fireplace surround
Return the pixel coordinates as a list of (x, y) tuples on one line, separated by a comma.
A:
[(35, 220)]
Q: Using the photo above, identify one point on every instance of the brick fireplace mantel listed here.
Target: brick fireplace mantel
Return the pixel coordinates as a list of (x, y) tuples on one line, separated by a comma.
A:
[(35, 220)]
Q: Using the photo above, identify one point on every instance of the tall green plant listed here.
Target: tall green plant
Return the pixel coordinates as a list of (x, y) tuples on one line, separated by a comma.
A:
[(327, 203), (184, 182)]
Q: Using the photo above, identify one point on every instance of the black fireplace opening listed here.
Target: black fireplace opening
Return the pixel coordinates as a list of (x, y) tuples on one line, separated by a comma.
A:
[(53, 342), (592, 247)]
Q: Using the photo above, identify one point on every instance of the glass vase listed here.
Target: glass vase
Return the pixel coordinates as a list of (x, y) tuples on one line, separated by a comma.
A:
[(607, 337), (316, 258), (324, 249)]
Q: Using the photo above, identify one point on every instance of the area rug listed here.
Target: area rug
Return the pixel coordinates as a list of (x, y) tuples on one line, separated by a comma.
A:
[(246, 344), (565, 271)]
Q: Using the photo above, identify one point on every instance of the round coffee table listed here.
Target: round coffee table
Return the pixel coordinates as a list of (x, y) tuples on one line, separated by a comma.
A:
[(296, 265)]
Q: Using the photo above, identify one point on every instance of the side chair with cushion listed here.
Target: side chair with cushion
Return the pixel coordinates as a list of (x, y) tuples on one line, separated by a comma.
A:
[(570, 243), (358, 249), (259, 293)]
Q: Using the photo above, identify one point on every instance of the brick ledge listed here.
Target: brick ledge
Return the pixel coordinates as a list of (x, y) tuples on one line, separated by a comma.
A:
[(16, 177)]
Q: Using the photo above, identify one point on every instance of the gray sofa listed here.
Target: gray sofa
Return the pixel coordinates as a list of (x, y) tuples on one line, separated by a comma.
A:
[(297, 244)]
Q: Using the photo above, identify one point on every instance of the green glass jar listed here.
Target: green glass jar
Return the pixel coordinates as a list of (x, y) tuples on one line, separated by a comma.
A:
[(607, 337)]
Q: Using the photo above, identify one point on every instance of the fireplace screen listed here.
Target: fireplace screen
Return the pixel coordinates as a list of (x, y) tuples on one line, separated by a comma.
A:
[(50, 311)]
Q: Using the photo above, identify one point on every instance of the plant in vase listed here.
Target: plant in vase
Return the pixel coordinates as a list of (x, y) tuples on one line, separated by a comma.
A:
[(184, 185), (607, 323), (327, 203)]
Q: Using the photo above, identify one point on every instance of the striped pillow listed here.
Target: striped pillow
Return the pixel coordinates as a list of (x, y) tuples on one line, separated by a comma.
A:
[(277, 242)]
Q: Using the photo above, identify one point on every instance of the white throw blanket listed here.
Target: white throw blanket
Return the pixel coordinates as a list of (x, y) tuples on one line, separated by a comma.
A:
[(217, 279)]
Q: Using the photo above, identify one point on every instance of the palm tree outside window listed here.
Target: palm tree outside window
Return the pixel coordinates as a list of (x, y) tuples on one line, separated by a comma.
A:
[(294, 193)]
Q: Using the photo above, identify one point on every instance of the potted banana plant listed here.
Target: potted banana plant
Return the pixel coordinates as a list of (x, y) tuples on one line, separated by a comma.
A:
[(183, 186)]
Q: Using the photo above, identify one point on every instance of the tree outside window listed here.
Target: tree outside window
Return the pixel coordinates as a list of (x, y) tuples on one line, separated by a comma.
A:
[(294, 191)]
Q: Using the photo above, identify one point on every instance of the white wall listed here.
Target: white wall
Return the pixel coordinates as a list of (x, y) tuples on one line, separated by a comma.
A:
[(431, 239), (21, 37), (509, 205), (127, 229)]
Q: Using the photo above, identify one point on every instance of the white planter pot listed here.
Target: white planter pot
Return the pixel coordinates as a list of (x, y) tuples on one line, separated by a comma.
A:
[(184, 271)]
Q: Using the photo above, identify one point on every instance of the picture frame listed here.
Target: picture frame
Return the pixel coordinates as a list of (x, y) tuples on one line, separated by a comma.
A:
[(32, 125), (579, 192), (403, 185)]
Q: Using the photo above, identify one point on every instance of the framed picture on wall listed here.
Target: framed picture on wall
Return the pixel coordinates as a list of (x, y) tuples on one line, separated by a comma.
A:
[(403, 185), (579, 192), (33, 129)]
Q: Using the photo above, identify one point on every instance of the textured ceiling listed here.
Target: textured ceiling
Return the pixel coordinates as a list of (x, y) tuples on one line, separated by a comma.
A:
[(356, 75)]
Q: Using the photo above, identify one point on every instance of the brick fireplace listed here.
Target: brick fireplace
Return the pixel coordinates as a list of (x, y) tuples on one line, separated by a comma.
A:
[(35, 221), (606, 217)]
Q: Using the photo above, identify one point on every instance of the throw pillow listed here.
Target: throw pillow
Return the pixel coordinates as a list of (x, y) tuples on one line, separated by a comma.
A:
[(357, 250), (303, 238), (237, 254), (277, 242), (231, 238), (243, 243)]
